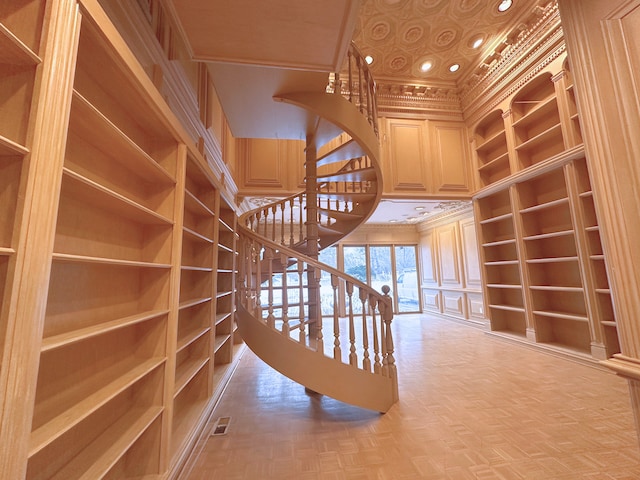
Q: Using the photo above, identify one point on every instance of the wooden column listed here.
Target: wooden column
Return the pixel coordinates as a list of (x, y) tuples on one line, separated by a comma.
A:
[(311, 175), (603, 40)]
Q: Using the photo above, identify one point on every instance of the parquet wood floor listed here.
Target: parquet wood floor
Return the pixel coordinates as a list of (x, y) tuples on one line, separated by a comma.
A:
[(472, 407)]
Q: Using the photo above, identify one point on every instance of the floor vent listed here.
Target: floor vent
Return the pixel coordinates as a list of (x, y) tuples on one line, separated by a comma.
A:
[(221, 426)]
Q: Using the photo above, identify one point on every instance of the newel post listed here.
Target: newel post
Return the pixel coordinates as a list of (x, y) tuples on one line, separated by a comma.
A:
[(389, 360)]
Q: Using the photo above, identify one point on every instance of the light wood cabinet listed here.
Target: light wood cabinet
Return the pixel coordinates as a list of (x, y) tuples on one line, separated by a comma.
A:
[(136, 337)]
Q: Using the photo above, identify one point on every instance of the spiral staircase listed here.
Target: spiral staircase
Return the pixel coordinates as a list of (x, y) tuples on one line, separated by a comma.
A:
[(315, 324)]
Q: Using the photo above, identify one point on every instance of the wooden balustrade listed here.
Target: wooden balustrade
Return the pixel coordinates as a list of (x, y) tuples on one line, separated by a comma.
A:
[(274, 289)]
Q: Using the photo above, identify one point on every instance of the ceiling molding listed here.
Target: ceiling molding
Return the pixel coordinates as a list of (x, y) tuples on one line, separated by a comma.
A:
[(534, 42)]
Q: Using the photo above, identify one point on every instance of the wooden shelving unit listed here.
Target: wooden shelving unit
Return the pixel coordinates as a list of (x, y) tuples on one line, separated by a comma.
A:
[(552, 262), (544, 270), (194, 364), (536, 122), (543, 265), (20, 40), (103, 360), (225, 299), (491, 149), (499, 256), (136, 292), (605, 341)]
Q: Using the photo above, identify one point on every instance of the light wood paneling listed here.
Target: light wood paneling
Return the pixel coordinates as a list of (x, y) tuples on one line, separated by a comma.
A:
[(406, 160), (450, 158), (263, 166), (428, 266), (449, 255), (450, 267), (471, 261), (475, 306), (431, 300), (607, 34), (453, 303)]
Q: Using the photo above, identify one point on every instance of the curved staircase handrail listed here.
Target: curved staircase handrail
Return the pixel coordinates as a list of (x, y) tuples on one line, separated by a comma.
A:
[(353, 361), (381, 298)]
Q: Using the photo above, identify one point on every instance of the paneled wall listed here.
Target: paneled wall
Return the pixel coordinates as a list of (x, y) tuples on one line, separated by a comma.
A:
[(425, 157), (451, 281), (420, 158)]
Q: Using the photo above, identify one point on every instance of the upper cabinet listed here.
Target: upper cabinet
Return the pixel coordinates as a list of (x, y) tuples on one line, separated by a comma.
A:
[(425, 157)]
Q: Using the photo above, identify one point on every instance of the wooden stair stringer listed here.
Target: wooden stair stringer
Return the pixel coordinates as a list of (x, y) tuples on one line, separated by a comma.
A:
[(312, 369)]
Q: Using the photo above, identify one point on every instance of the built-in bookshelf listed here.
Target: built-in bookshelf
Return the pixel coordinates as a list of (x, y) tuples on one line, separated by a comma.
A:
[(597, 293), (544, 270), (536, 122), (225, 297), (137, 291), (551, 258), (543, 265), (491, 149), (194, 364), (104, 348), (568, 108), (500, 261), (21, 32), (539, 122)]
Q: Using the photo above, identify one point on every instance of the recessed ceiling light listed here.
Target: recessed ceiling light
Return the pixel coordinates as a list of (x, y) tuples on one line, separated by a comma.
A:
[(426, 66), (368, 59), (504, 5), (419, 208), (454, 68), (477, 43)]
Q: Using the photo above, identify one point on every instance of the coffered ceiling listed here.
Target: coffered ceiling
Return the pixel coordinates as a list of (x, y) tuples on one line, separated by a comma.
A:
[(401, 35)]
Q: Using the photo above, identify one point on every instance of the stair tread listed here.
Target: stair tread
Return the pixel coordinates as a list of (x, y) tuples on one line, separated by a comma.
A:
[(359, 175), (346, 151), (349, 196), (337, 214), (330, 230)]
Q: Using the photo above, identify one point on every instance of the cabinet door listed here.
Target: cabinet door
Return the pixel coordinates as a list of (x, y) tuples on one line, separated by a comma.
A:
[(405, 162), (450, 158)]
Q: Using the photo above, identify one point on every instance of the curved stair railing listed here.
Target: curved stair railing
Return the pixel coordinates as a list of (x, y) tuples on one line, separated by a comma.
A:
[(338, 343)]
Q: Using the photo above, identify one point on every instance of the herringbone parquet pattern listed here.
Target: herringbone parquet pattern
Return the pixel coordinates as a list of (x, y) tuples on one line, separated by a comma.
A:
[(472, 406)]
